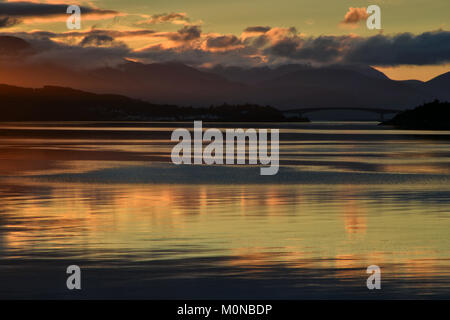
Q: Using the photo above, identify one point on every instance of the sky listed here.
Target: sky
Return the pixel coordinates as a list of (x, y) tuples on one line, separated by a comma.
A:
[(414, 40)]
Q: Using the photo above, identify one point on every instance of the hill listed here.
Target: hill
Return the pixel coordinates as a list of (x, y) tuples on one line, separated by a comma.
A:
[(440, 86), (286, 86), (429, 116), (65, 104)]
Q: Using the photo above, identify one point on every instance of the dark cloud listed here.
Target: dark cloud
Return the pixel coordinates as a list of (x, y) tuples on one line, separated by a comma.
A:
[(223, 41), (322, 49), (123, 34), (257, 42), (46, 51), (405, 48), (258, 29), (6, 22), (34, 9), (97, 40), (273, 47), (187, 33), (93, 32)]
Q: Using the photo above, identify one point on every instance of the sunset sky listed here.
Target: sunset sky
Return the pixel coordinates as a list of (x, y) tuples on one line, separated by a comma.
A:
[(243, 32)]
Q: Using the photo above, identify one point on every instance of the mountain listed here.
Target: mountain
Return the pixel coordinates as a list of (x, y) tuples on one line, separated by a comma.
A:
[(170, 82), (286, 86), (440, 86), (253, 76), (257, 75), (175, 83), (340, 87), (159, 82)]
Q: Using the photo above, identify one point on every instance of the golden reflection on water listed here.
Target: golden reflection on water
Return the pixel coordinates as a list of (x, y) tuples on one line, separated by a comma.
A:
[(338, 226), (344, 227)]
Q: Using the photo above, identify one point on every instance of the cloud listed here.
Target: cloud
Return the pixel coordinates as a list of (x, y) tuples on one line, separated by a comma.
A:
[(428, 48), (198, 57), (187, 33), (93, 32), (355, 15), (323, 49), (6, 22), (35, 9), (43, 50), (257, 29), (277, 34), (12, 13), (174, 17), (79, 57), (97, 40), (276, 46), (381, 50), (256, 45), (222, 42)]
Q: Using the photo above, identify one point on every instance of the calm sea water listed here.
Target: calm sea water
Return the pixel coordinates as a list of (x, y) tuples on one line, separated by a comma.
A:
[(106, 197)]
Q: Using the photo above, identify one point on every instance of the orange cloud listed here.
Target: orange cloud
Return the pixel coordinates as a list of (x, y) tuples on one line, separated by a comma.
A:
[(355, 15)]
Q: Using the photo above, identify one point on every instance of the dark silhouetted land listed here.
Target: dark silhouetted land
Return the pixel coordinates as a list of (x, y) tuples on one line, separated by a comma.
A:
[(284, 86), (429, 116), (65, 104)]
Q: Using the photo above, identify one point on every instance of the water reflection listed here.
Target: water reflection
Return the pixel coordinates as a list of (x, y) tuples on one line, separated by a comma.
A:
[(306, 238)]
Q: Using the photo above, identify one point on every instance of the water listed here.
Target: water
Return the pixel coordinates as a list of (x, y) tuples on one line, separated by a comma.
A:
[(106, 197)]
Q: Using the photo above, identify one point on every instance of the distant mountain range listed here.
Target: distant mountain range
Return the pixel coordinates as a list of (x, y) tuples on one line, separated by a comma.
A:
[(66, 104), (285, 87)]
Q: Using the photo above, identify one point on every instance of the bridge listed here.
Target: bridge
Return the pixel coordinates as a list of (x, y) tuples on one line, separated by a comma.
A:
[(380, 111)]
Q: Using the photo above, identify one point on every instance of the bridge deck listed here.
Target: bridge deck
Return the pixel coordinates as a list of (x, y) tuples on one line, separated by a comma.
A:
[(375, 110)]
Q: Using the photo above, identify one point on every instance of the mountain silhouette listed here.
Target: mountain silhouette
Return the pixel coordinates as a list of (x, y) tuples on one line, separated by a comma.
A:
[(66, 104), (440, 86), (286, 87), (340, 87)]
